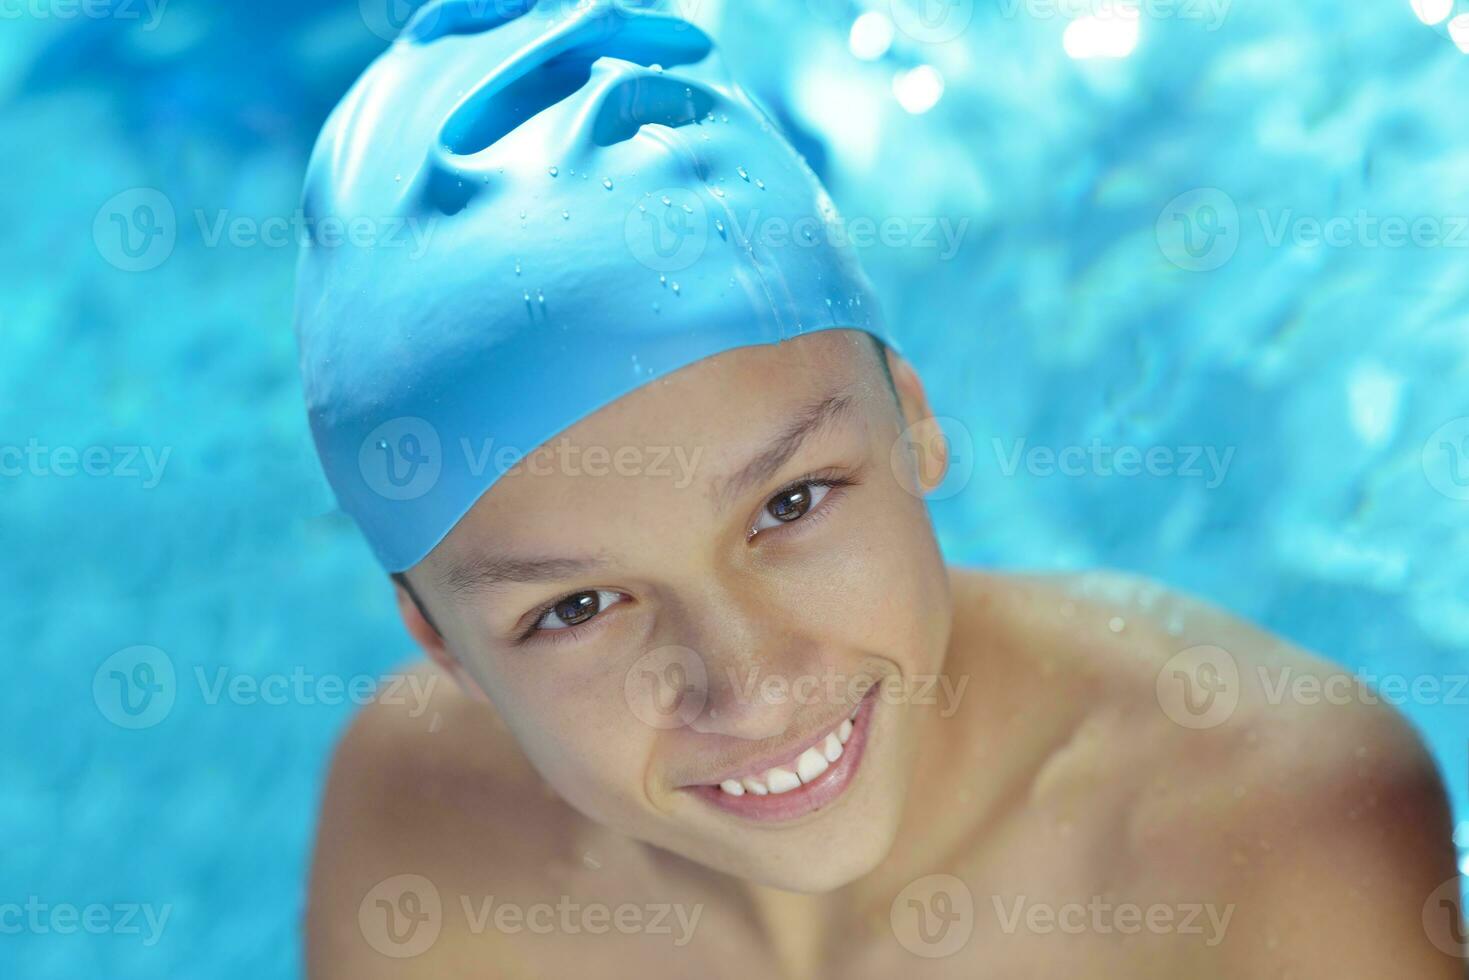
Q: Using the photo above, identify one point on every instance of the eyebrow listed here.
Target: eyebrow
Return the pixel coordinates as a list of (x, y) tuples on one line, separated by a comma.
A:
[(485, 573), (779, 450)]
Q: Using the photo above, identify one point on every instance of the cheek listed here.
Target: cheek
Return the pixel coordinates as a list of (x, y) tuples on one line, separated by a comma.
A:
[(889, 582), (578, 732)]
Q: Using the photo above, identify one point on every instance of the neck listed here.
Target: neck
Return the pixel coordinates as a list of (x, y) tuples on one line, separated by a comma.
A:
[(975, 755)]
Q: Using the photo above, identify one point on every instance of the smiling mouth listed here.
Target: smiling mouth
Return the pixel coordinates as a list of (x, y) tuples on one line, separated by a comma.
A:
[(810, 779)]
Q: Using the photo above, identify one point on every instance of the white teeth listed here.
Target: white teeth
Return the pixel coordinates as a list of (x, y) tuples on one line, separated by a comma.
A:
[(811, 764), (781, 780), (832, 748)]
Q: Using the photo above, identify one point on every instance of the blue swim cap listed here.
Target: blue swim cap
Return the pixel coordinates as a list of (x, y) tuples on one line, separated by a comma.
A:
[(519, 214)]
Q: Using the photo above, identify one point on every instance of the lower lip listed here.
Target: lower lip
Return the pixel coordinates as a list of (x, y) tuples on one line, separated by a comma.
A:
[(810, 797)]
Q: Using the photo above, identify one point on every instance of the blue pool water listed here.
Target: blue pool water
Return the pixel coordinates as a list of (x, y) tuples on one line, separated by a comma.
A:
[(1088, 253)]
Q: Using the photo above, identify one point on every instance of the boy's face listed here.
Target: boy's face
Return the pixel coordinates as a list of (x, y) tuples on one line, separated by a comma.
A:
[(697, 583)]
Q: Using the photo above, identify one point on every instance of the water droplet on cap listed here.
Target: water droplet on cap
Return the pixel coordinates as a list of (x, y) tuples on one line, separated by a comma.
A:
[(554, 171)]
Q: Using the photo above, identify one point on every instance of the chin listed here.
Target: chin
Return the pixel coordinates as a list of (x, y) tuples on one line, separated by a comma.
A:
[(817, 838)]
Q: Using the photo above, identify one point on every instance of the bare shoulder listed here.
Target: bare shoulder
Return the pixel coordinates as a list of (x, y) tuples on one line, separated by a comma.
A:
[(1236, 765), (428, 798)]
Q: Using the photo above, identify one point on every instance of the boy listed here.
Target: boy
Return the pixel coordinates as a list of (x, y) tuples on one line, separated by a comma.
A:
[(706, 699)]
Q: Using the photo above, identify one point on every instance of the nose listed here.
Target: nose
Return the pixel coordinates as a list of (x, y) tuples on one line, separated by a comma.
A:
[(755, 658)]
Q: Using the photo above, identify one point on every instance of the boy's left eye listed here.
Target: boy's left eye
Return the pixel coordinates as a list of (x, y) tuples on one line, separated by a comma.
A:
[(791, 504)]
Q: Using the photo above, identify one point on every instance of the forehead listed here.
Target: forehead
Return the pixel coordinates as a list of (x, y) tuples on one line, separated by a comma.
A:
[(668, 442)]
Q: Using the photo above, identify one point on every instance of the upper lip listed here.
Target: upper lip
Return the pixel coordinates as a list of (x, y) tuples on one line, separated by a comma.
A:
[(782, 755)]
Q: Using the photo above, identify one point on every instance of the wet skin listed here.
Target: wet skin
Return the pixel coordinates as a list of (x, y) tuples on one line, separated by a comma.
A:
[(1012, 733)]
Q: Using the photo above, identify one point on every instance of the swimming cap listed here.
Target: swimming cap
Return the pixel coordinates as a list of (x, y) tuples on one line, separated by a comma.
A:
[(522, 212)]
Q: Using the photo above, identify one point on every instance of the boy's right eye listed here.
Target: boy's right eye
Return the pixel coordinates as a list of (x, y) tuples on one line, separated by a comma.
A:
[(577, 608)]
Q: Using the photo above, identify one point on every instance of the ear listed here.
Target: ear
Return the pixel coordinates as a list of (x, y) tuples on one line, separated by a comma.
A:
[(923, 434), (432, 642)]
